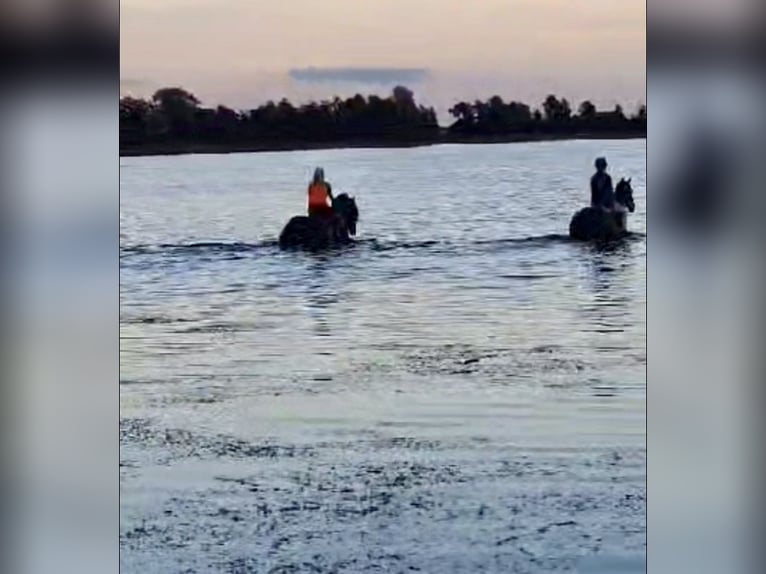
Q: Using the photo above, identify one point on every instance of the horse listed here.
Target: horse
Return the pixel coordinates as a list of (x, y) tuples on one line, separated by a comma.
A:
[(596, 223), (322, 232)]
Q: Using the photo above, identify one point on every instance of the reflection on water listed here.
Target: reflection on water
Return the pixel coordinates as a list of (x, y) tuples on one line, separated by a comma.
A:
[(318, 306), (615, 287)]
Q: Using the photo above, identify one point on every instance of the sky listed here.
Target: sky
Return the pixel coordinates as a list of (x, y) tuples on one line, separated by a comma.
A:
[(241, 52)]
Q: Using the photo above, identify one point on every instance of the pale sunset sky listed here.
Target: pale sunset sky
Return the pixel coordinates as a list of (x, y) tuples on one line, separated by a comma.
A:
[(239, 52)]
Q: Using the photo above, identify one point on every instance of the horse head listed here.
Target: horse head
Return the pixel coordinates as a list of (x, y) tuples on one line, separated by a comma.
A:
[(345, 206), (623, 194)]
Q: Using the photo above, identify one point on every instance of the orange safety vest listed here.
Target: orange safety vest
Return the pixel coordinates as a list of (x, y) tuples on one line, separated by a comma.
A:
[(318, 196)]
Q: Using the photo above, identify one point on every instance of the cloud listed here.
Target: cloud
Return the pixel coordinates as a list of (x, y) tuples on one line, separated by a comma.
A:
[(378, 76)]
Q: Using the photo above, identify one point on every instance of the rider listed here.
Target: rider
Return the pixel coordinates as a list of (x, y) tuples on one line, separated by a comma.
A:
[(319, 193), (601, 190)]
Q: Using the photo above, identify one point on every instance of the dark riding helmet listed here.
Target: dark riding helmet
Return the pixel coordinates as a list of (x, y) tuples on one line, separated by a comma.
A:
[(601, 163)]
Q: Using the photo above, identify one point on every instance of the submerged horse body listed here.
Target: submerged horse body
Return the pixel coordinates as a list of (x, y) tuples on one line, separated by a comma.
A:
[(597, 223), (322, 231)]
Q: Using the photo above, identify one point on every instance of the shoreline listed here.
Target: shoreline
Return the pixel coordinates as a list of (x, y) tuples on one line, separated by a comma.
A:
[(175, 148)]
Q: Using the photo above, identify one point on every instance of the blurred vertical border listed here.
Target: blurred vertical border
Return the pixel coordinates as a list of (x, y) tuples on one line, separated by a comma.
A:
[(705, 158), (59, 257)]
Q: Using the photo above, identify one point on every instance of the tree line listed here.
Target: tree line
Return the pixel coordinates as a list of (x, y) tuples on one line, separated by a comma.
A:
[(176, 116), (556, 116)]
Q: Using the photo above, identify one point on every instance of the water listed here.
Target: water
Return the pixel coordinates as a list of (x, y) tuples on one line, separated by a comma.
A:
[(462, 390)]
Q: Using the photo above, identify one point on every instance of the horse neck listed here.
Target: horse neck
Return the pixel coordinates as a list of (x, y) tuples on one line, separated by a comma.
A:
[(343, 208), (620, 207), (620, 213)]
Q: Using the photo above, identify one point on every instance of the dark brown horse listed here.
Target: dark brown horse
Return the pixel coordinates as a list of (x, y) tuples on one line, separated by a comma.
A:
[(322, 232), (597, 224)]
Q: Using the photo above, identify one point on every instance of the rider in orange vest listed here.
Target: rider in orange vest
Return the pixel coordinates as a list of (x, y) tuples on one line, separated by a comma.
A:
[(320, 195)]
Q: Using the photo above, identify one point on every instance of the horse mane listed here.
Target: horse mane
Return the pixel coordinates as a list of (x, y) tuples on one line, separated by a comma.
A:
[(345, 205), (345, 199)]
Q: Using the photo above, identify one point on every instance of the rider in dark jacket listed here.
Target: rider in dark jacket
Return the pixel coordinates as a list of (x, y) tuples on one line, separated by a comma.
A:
[(601, 189)]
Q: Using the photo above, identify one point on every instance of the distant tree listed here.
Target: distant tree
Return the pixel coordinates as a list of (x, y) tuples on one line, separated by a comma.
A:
[(133, 108), (519, 115), (462, 112), (638, 119), (556, 110), (226, 113), (178, 107), (496, 115), (586, 111), (285, 109), (134, 115), (481, 113), (403, 96), (157, 125), (430, 118), (566, 110), (227, 122), (405, 108), (551, 108), (174, 101)]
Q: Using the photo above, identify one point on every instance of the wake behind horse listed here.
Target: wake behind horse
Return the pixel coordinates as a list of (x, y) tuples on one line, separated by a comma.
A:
[(321, 232), (597, 224)]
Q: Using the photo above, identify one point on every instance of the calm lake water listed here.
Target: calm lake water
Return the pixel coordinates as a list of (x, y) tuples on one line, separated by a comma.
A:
[(462, 390)]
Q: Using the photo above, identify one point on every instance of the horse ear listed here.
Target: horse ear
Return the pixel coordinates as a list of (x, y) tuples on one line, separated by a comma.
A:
[(630, 179)]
